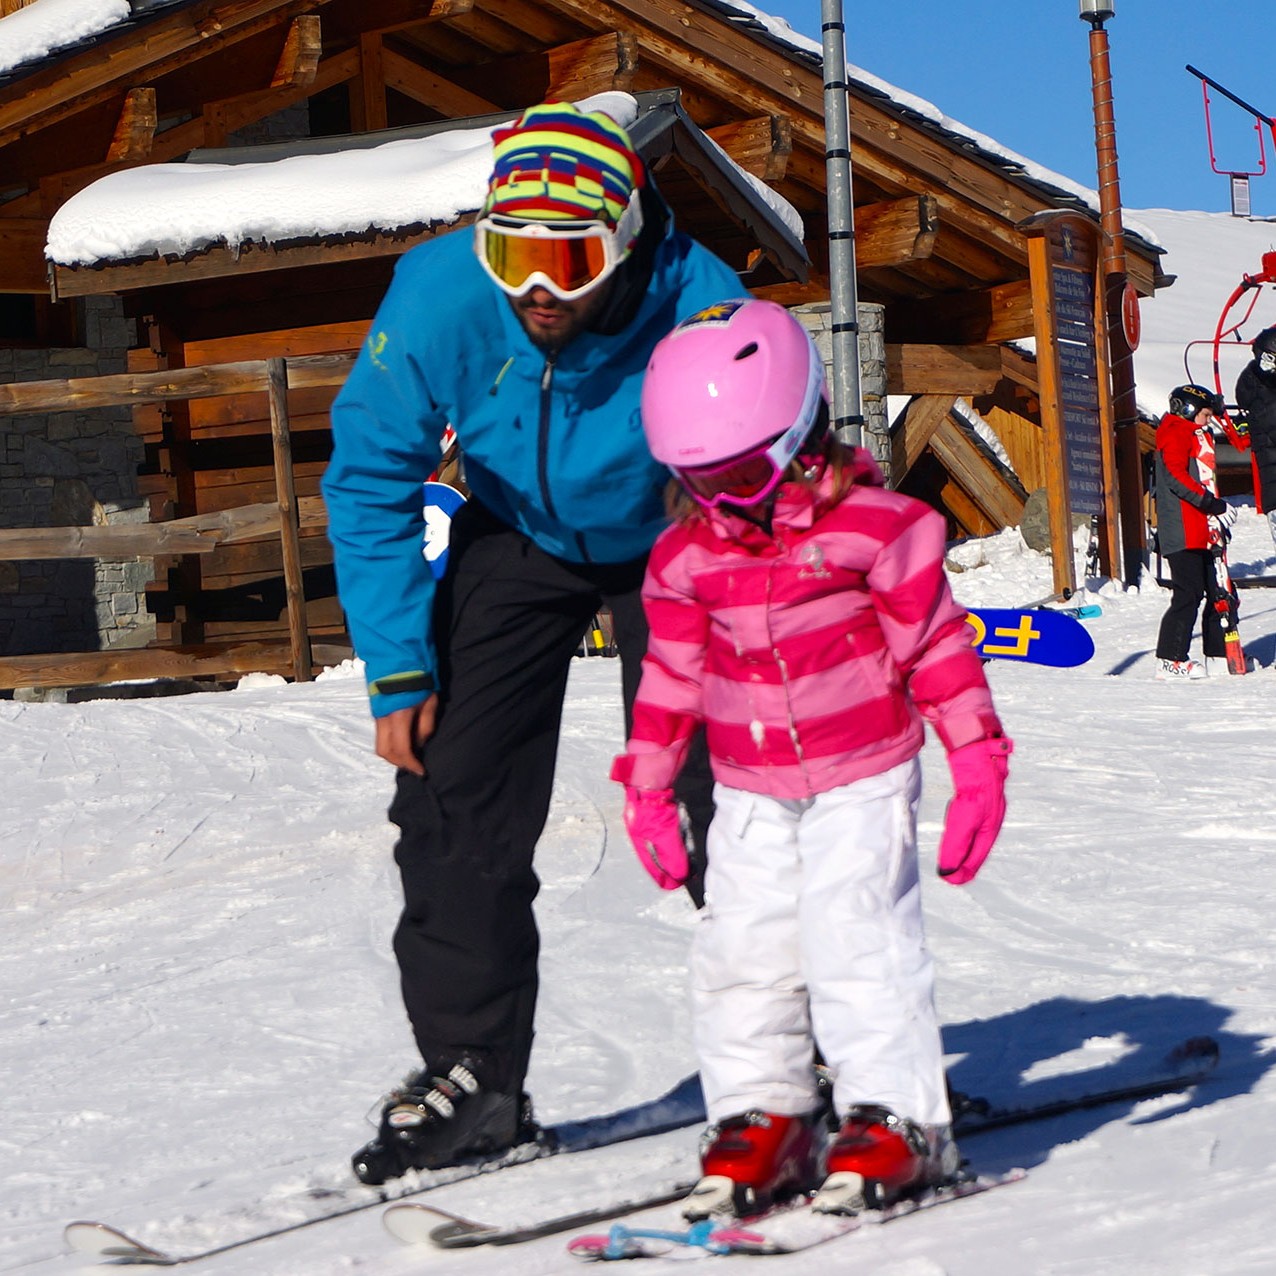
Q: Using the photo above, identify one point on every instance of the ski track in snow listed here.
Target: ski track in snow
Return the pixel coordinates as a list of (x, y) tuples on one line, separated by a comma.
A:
[(202, 1002)]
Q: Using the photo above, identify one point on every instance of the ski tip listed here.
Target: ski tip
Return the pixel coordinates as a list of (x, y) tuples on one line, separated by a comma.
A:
[(103, 1241), (415, 1224)]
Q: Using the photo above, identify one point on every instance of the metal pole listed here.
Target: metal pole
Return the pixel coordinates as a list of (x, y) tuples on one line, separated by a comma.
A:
[(1125, 411), (848, 419)]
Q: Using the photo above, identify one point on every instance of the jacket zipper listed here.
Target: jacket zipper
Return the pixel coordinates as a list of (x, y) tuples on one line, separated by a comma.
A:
[(542, 448), (542, 437)]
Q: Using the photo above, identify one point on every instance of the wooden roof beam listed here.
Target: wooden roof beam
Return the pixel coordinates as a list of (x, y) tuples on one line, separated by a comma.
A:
[(585, 67), (230, 114), (895, 232), (351, 18), (760, 146), (565, 72), (1020, 369), (977, 473), (431, 89), (159, 47), (135, 129), (22, 265), (930, 370), (368, 111), (299, 61), (914, 430), (989, 316)]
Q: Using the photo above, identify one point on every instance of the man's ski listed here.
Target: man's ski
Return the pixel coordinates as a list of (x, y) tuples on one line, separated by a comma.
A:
[(784, 1230), (681, 1107), (1186, 1065)]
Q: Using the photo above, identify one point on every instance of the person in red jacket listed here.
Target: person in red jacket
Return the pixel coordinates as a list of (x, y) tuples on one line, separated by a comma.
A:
[(1190, 517)]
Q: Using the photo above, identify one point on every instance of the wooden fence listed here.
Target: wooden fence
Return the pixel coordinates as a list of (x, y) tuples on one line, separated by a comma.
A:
[(201, 534)]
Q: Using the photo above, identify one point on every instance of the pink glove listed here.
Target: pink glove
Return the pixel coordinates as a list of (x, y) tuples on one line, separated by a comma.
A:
[(654, 827), (977, 809)]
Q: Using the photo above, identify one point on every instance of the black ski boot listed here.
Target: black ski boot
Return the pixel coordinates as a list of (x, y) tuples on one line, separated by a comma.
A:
[(444, 1116)]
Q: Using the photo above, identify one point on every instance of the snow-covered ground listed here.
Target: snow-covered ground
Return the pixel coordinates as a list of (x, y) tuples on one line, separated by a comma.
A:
[(201, 1003)]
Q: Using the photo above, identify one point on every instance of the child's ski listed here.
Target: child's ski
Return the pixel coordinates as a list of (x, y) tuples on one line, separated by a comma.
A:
[(786, 1229)]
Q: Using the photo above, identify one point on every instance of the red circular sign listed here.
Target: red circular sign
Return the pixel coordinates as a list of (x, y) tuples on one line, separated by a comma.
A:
[(1131, 324)]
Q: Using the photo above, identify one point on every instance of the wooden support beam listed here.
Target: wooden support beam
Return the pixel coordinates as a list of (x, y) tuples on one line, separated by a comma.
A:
[(1001, 313), (981, 479), (356, 16), (1020, 369), (760, 146), (299, 61), (231, 114), (367, 95), (281, 445), (165, 44), (585, 67), (896, 231), (916, 427), (135, 129), (22, 265), (926, 369), (431, 89)]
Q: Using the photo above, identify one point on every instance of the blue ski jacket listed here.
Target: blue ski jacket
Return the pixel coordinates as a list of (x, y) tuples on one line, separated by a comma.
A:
[(553, 444)]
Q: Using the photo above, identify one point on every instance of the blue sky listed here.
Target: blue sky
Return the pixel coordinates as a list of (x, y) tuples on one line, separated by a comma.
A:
[(1019, 71)]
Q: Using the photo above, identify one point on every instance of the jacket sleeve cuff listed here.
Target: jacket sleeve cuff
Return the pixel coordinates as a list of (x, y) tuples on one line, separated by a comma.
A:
[(967, 728), (645, 770), (397, 691)]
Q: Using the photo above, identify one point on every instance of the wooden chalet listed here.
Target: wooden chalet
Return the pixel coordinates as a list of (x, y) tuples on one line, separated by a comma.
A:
[(940, 241)]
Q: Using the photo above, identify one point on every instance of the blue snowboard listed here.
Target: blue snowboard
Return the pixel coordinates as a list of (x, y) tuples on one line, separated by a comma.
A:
[(1038, 637), (441, 503)]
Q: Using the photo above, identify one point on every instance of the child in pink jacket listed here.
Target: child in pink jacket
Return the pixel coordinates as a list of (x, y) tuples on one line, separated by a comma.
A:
[(799, 611)]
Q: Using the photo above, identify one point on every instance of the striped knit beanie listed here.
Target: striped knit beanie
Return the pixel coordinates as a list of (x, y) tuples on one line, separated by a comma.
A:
[(556, 163)]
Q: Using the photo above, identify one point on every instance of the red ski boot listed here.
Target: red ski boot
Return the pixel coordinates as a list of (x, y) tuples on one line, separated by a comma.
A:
[(750, 1161), (878, 1157)]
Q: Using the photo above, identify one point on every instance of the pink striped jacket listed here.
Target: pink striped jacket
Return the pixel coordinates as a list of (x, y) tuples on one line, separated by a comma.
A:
[(811, 653)]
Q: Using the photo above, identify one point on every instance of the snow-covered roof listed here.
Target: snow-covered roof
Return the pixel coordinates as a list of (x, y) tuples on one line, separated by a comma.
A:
[(44, 33), (332, 188), (45, 29)]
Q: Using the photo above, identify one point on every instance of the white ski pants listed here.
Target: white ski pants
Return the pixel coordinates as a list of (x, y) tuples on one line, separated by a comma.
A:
[(812, 932)]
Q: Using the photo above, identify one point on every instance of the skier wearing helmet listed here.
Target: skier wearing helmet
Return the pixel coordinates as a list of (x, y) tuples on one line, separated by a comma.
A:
[(799, 610), (1186, 500), (1256, 398), (529, 335)]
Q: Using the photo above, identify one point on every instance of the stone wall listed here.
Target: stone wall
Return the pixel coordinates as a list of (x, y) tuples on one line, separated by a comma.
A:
[(818, 320), (66, 469)]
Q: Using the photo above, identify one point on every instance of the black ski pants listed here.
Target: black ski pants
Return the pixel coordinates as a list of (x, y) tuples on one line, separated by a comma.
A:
[(508, 620), (1191, 580)]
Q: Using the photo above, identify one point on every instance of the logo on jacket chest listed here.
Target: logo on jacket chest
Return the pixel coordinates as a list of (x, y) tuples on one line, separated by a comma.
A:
[(810, 561)]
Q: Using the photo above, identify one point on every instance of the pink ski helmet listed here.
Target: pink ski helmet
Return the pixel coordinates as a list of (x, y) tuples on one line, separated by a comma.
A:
[(730, 396)]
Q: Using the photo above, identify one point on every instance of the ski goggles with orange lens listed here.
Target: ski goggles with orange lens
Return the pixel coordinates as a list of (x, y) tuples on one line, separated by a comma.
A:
[(568, 258)]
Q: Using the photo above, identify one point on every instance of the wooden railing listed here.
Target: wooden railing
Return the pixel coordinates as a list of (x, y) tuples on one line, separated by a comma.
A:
[(200, 534)]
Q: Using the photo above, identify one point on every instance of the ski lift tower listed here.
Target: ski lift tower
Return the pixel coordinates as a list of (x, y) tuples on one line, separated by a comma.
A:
[(1239, 178)]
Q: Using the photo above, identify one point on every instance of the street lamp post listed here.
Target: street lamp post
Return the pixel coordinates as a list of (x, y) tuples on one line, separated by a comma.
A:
[(848, 417), (1121, 309)]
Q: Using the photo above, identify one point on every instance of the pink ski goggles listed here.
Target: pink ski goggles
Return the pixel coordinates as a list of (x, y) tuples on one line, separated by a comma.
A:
[(748, 478)]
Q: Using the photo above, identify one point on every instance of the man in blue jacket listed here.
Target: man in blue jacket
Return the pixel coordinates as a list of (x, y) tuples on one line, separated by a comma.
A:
[(529, 336)]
